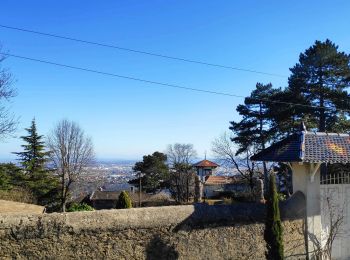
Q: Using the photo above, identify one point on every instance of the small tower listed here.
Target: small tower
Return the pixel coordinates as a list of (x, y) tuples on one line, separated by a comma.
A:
[(205, 168)]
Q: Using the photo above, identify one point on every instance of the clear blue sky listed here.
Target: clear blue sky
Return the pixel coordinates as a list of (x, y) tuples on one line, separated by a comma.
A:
[(127, 119)]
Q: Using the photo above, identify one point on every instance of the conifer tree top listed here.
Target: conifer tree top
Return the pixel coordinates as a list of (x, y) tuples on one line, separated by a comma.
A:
[(34, 156)]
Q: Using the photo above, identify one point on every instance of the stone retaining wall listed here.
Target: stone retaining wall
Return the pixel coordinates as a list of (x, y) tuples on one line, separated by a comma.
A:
[(174, 232)]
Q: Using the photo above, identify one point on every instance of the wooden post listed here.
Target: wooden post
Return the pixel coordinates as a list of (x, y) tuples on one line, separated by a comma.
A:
[(140, 188)]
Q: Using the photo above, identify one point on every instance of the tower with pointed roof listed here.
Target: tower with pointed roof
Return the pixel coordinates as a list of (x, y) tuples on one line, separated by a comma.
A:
[(205, 168)]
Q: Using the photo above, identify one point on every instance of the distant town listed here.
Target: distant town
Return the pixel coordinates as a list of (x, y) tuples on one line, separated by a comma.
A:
[(114, 175)]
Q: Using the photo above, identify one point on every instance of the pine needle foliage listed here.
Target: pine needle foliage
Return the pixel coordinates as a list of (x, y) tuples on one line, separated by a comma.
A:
[(273, 226), (34, 156), (33, 159), (124, 201)]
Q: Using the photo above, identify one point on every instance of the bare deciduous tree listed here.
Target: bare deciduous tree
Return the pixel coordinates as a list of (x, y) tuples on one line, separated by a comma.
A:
[(182, 180), (181, 153), (182, 176), (8, 122), (225, 152), (70, 152)]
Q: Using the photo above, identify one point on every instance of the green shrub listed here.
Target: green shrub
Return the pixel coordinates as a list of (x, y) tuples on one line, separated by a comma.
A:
[(124, 201), (10, 176), (80, 207), (5, 181), (273, 226)]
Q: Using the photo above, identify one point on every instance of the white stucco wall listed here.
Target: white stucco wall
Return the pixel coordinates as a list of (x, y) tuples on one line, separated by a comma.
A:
[(303, 181)]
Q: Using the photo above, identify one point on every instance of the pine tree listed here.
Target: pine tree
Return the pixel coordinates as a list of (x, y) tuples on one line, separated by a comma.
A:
[(273, 228), (286, 117), (124, 201), (34, 156), (33, 160), (321, 79), (255, 129)]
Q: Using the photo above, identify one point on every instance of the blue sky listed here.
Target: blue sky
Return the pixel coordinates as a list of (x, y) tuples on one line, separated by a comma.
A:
[(127, 119)]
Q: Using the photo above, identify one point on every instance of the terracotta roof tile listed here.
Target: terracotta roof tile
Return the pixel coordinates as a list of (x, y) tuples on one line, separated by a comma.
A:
[(205, 163)]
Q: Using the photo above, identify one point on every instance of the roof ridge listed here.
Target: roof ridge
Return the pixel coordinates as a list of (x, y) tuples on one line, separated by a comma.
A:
[(206, 161), (326, 133)]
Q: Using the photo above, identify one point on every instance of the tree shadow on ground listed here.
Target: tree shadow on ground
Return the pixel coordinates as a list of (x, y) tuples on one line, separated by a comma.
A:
[(158, 249)]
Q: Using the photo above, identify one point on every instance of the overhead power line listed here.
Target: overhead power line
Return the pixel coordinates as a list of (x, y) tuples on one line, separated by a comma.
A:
[(143, 52), (168, 85)]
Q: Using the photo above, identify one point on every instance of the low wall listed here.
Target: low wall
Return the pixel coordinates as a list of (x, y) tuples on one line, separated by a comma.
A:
[(174, 232)]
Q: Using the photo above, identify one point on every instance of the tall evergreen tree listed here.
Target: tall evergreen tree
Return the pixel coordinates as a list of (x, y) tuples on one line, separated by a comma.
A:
[(321, 79), (33, 160), (34, 156), (286, 117), (255, 129), (273, 228)]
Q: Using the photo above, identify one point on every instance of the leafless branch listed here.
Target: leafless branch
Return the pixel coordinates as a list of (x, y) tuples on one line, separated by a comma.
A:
[(8, 122), (70, 152), (333, 220), (180, 153), (225, 152)]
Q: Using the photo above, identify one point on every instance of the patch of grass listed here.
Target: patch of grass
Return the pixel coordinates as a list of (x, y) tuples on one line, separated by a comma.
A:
[(18, 194)]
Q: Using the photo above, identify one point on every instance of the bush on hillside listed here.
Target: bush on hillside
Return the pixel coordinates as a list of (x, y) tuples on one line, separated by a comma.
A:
[(5, 181), (80, 207), (124, 201)]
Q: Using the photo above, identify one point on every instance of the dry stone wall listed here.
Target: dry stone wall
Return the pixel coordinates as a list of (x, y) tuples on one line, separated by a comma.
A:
[(174, 232)]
